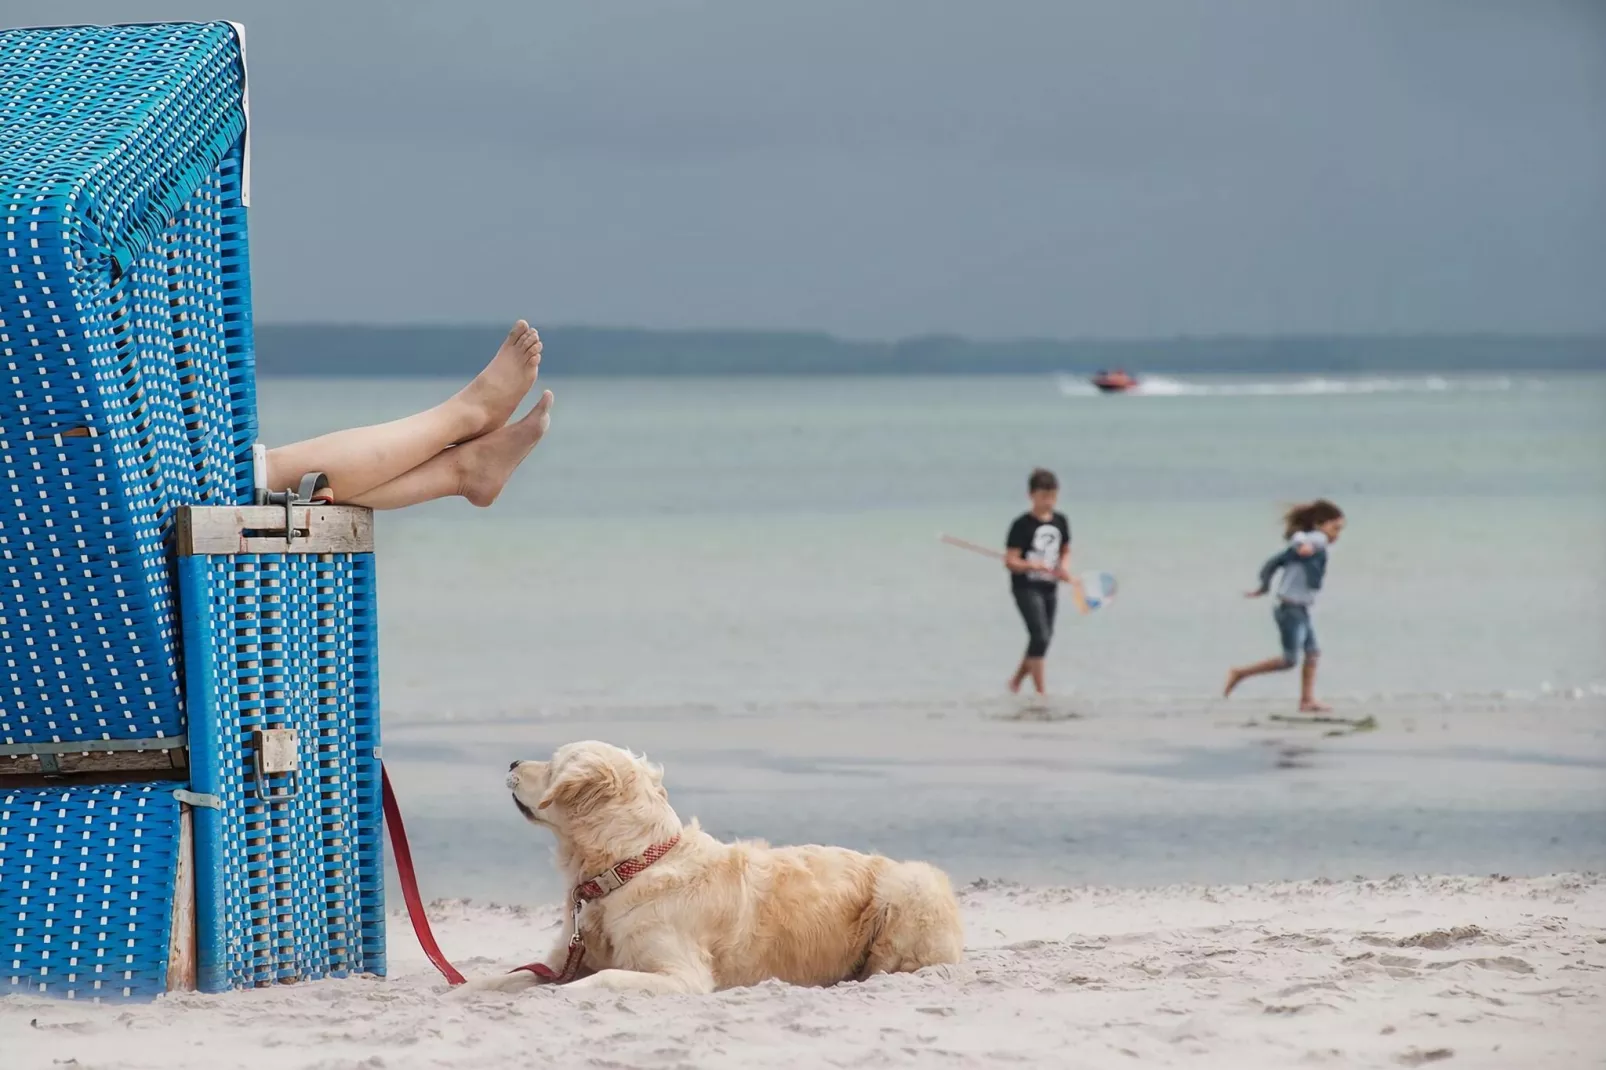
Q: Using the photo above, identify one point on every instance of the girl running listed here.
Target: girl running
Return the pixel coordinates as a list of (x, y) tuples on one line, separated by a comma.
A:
[(1310, 529)]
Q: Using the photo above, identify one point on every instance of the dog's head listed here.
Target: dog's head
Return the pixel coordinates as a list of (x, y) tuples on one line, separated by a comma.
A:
[(593, 794)]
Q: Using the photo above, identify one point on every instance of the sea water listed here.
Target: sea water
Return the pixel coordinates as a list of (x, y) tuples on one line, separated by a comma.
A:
[(743, 576)]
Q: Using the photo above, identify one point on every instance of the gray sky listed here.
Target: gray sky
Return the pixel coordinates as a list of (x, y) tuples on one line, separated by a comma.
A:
[(887, 167)]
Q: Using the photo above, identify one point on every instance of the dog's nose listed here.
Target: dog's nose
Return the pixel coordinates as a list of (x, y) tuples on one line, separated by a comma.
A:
[(513, 765)]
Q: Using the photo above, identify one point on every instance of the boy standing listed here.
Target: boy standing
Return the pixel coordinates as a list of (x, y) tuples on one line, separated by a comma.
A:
[(1037, 555)]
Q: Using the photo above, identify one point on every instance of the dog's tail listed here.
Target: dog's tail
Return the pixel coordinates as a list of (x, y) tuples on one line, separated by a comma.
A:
[(915, 920)]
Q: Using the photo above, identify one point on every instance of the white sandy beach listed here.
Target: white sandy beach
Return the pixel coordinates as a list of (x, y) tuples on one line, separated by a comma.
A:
[(1471, 972)]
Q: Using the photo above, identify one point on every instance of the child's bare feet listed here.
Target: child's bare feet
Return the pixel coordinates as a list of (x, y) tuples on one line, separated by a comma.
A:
[(1310, 705), (490, 400), (1234, 678), (485, 465)]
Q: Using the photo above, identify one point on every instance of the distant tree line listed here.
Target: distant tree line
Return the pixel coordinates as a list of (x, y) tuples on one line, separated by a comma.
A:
[(284, 349)]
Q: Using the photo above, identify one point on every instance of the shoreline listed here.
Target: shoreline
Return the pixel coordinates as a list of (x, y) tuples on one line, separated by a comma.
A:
[(1128, 796)]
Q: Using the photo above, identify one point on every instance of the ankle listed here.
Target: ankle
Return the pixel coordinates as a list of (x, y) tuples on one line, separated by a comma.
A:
[(468, 419), (478, 484), (462, 482)]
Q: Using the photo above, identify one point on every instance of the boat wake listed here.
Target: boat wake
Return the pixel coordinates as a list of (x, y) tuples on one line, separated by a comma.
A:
[(1161, 386)]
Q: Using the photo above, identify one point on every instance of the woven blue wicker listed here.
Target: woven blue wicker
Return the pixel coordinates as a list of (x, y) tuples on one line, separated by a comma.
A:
[(294, 889), (86, 887), (125, 360), (127, 393)]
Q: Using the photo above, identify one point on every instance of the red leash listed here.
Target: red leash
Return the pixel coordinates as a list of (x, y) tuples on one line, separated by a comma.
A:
[(409, 883), (608, 880)]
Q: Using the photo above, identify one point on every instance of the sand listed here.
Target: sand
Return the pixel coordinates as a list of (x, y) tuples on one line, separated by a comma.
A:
[(1468, 972)]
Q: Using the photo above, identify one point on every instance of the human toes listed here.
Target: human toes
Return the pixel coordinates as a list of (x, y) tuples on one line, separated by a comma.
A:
[(541, 415), (527, 341)]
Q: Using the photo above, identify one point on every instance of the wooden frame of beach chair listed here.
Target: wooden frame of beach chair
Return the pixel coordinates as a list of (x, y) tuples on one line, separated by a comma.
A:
[(189, 729)]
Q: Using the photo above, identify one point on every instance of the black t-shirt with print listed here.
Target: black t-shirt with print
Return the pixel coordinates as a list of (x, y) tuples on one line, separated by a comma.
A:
[(1040, 542)]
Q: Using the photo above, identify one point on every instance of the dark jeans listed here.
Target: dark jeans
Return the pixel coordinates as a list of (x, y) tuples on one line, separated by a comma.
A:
[(1036, 602)]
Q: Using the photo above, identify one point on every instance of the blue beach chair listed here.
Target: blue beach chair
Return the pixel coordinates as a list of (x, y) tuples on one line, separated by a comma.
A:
[(189, 732)]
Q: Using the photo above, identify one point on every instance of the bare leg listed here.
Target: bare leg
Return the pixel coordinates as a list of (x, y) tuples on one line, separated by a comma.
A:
[(1307, 687), (359, 459), (1034, 667), (1239, 675), (1020, 676), (476, 470)]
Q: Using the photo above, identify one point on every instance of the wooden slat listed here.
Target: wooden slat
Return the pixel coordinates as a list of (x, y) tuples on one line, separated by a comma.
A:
[(97, 762), (181, 949), (138, 776), (259, 529)]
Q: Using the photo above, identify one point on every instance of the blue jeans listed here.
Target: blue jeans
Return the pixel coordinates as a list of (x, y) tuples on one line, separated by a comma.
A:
[(1296, 631)]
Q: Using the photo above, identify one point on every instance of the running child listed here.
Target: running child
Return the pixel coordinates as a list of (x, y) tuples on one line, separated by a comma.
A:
[(1037, 554), (1310, 530)]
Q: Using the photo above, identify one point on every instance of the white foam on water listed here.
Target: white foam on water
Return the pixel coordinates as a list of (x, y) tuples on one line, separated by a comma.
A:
[(1163, 386)]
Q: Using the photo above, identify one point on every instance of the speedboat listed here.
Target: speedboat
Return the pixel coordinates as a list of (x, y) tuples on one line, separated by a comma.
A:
[(1114, 382)]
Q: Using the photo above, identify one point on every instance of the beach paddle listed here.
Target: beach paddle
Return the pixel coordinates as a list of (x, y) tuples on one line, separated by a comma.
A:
[(1096, 588)]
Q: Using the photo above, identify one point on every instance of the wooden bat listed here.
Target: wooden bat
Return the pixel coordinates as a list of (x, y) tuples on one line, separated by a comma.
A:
[(988, 551)]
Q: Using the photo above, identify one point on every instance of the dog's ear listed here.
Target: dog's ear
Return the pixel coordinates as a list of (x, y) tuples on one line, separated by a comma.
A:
[(582, 784)]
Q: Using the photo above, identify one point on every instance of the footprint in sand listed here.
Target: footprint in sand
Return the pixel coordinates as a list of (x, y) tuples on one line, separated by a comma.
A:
[(1503, 964), (1439, 939)]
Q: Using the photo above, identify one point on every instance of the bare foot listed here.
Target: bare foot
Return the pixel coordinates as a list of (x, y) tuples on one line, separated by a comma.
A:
[(1234, 678), (1014, 686), (1310, 705), (486, 464), (490, 400)]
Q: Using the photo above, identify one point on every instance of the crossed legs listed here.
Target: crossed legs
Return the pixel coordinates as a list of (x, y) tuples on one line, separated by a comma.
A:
[(464, 446)]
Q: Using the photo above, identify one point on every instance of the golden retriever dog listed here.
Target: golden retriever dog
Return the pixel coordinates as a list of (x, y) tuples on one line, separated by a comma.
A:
[(702, 915)]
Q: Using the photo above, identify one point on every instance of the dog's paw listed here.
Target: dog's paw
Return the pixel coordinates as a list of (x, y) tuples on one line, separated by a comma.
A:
[(517, 981)]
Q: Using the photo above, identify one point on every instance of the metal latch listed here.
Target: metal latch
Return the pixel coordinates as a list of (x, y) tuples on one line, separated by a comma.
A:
[(312, 485), (276, 752)]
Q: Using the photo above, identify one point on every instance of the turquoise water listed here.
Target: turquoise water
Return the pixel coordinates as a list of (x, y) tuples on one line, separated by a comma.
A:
[(724, 541), (696, 551)]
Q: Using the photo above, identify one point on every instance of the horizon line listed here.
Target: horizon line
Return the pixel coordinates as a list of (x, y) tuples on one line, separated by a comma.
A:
[(1596, 334)]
